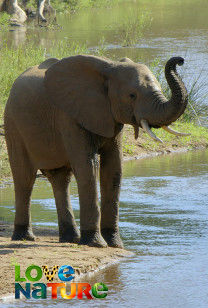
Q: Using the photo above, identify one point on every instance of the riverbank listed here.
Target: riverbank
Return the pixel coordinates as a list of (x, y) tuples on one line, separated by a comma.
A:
[(142, 147), (46, 250), (86, 260), (77, 5)]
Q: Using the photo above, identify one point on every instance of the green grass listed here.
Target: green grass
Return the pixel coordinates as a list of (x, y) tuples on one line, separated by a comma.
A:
[(75, 5), (22, 57), (197, 139), (4, 20), (133, 27), (127, 148), (196, 110), (67, 6)]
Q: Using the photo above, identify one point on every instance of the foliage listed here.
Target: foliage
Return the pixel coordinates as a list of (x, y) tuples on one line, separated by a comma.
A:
[(196, 110), (127, 148), (4, 20), (62, 6), (75, 5), (198, 137), (31, 4), (22, 57), (132, 28)]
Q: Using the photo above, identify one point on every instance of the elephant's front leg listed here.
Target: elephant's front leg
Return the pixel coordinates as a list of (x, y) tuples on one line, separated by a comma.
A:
[(82, 155), (110, 181), (86, 176)]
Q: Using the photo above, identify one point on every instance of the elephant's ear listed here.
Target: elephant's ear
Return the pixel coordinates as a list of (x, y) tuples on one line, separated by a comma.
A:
[(77, 86)]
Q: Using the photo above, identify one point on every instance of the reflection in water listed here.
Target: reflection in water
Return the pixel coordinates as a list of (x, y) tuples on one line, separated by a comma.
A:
[(163, 210), (18, 35), (174, 31), (163, 219)]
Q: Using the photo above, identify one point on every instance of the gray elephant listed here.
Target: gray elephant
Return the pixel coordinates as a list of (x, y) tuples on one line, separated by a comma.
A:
[(19, 14), (44, 7), (61, 115), (12, 7)]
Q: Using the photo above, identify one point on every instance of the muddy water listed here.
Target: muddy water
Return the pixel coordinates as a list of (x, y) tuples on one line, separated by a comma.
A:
[(163, 219), (178, 28)]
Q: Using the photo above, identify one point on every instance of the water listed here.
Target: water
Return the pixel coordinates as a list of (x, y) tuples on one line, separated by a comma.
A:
[(163, 211), (163, 219), (178, 28)]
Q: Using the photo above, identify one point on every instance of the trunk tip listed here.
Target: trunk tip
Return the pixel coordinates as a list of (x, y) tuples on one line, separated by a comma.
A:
[(180, 61), (175, 61)]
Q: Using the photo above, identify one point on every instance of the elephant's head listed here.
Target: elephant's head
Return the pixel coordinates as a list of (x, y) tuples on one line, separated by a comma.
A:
[(99, 93)]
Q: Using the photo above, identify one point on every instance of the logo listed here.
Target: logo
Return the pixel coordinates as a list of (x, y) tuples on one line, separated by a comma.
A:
[(38, 290)]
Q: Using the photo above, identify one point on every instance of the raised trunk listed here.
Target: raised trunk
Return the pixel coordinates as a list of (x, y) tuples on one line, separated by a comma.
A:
[(164, 111), (179, 99)]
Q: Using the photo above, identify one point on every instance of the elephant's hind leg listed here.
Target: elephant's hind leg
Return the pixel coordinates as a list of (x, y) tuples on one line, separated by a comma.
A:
[(60, 179), (24, 175)]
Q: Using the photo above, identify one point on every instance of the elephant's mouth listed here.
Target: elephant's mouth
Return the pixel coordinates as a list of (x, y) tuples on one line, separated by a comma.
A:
[(144, 124), (147, 128)]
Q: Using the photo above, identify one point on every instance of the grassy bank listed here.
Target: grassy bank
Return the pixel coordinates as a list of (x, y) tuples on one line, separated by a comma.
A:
[(144, 145), (75, 5), (25, 56)]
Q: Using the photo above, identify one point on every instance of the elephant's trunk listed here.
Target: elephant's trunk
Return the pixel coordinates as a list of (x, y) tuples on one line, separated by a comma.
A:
[(164, 112), (179, 98)]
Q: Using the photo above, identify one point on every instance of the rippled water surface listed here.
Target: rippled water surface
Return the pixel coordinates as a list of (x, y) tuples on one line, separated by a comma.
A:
[(164, 200), (177, 28), (163, 219)]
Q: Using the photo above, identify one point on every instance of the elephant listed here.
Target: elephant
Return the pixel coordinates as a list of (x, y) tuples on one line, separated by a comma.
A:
[(66, 117), (19, 14), (12, 7)]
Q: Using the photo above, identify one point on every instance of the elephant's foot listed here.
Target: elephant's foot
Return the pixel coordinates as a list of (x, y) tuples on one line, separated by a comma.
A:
[(22, 232), (69, 234), (92, 238), (112, 237)]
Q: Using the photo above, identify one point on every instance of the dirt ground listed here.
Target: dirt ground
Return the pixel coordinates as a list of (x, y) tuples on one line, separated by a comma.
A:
[(46, 250)]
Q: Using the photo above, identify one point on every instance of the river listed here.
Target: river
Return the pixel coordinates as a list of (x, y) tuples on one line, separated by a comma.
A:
[(163, 210), (163, 220), (177, 28)]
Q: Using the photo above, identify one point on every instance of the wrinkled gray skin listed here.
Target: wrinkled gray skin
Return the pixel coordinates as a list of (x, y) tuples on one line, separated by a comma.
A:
[(60, 115), (42, 6)]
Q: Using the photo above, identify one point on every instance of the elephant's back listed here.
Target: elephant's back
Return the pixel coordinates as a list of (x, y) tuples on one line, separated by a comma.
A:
[(27, 107), (28, 89), (26, 93)]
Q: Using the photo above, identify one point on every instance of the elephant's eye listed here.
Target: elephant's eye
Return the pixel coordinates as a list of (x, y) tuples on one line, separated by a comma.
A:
[(133, 96)]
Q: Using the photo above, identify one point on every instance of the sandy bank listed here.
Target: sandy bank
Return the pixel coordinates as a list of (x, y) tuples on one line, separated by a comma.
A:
[(46, 250)]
